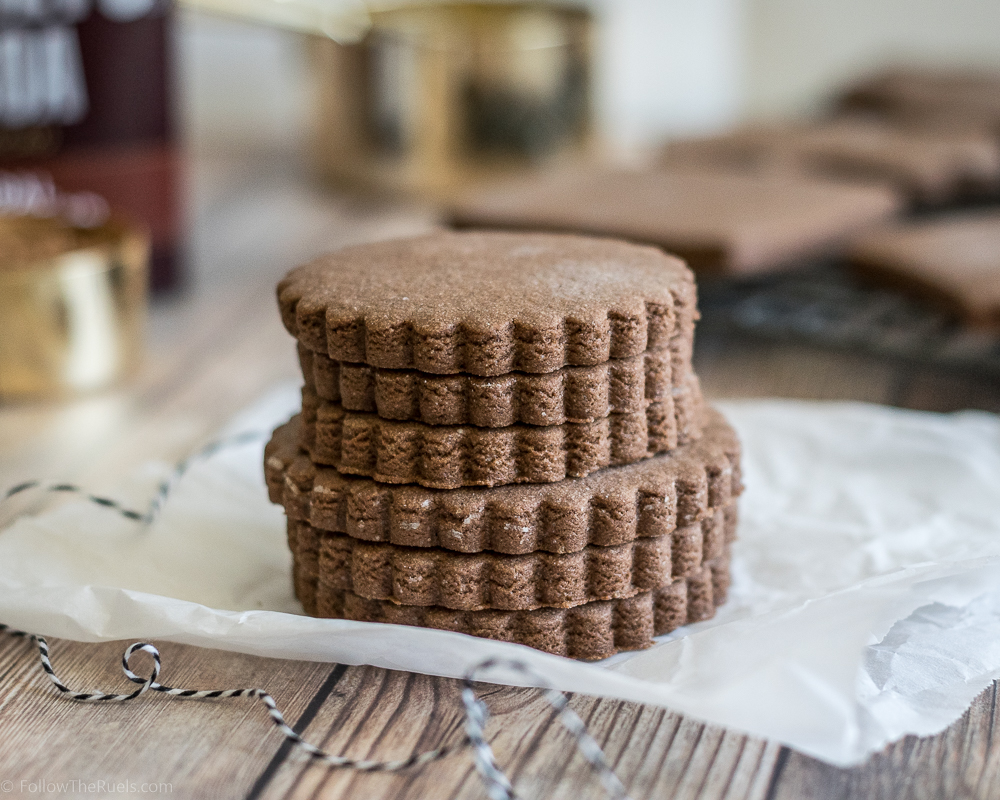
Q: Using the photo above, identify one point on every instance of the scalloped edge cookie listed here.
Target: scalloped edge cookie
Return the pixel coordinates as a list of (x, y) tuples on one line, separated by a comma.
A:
[(587, 632), (471, 582), (489, 303), (450, 457), (570, 394), (649, 498)]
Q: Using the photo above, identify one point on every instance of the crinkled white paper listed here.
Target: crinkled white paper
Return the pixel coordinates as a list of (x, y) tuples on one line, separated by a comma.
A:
[(865, 603)]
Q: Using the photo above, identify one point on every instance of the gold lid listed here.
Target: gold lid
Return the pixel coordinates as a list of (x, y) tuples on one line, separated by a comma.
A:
[(343, 21), (72, 305)]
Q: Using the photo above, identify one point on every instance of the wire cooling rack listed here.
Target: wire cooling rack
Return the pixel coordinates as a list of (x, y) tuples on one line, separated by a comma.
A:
[(824, 305)]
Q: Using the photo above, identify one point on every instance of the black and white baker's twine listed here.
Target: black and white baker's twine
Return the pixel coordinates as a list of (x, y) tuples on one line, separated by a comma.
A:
[(162, 492), (497, 784)]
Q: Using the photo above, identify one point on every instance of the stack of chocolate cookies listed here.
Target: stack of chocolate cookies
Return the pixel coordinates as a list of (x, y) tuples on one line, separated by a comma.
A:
[(501, 434)]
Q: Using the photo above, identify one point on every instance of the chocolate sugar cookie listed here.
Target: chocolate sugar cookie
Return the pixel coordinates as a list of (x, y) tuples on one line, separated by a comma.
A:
[(589, 632), (649, 498), (929, 164), (502, 435), (437, 577), (452, 456), (964, 98), (488, 303), (952, 261), (718, 221), (570, 394)]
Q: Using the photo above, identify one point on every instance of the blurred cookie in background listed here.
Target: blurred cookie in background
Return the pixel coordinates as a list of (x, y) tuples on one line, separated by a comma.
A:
[(718, 220), (931, 164), (953, 97), (952, 261)]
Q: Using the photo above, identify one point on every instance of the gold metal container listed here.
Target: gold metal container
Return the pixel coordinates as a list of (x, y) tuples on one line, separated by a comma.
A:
[(72, 306), (437, 96)]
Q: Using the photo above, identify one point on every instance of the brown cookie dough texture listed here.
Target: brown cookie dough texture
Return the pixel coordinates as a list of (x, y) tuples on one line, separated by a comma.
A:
[(954, 97), (929, 164), (590, 631), (488, 303), (648, 499), (571, 394), (952, 261), (717, 220), (554, 370), (450, 457), (473, 582)]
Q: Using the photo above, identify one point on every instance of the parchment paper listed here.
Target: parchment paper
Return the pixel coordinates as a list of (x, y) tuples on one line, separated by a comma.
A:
[(865, 602)]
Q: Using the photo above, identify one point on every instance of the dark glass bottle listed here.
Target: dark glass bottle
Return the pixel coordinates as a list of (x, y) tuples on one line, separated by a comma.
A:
[(88, 101)]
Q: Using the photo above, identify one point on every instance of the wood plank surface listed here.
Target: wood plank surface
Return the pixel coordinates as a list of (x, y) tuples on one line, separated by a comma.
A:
[(231, 749), (198, 747), (216, 350)]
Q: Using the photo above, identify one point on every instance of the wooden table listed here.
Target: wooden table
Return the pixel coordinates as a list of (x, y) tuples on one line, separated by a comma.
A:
[(214, 351)]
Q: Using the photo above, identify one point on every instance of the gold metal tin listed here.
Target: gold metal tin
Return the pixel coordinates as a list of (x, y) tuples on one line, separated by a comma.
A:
[(73, 321), (437, 96)]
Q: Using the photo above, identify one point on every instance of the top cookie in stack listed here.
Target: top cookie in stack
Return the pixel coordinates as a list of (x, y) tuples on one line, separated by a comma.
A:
[(523, 363)]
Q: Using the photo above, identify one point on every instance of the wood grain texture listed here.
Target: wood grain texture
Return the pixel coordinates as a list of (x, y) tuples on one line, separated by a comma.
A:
[(231, 749), (199, 747)]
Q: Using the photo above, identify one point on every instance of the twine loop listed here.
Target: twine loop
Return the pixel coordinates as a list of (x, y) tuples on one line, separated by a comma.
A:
[(495, 781)]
